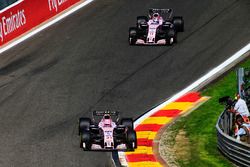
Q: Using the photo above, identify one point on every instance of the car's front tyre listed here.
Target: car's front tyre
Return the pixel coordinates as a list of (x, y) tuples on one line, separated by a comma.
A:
[(132, 35), (85, 141), (171, 37), (131, 140)]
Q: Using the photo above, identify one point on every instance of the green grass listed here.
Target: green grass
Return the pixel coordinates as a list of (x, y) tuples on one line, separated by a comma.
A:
[(200, 124)]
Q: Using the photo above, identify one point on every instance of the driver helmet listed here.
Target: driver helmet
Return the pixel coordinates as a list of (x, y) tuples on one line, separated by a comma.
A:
[(107, 120), (156, 16)]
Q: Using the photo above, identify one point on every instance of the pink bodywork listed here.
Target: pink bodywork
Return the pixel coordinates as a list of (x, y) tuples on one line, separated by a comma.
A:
[(107, 125), (152, 30)]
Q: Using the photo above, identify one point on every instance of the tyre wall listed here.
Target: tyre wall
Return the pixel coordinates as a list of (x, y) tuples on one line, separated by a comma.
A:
[(24, 15)]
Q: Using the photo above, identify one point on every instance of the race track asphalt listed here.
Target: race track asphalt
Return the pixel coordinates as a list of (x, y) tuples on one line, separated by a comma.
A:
[(84, 63)]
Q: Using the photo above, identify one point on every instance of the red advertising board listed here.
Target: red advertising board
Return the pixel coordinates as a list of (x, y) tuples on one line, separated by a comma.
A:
[(26, 14)]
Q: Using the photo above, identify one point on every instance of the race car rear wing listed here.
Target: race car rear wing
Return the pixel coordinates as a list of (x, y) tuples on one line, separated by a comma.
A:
[(102, 113), (113, 114), (166, 13)]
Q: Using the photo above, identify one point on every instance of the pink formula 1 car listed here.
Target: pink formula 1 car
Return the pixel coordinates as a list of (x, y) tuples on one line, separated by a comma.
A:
[(159, 28), (106, 134)]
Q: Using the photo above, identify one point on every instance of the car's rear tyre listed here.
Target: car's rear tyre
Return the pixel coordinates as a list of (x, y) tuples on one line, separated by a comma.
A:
[(141, 20), (178, 23), (127, 122), (132, 35), (84, 124), (85, 142), (131, 140)]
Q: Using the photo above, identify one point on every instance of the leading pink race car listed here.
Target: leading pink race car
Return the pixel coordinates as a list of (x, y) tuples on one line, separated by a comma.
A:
[(106, 134), (159, 28)]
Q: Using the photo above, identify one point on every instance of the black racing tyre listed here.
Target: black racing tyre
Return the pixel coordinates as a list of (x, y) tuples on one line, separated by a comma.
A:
[(131, 140), (140, 20), (171, 37), (132, 35), (85, 142), (142, 23), (178, 23), (127, 122), (84, 124)]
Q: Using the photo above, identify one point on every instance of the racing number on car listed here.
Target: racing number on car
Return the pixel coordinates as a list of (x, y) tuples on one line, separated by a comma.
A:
[(108, 134)]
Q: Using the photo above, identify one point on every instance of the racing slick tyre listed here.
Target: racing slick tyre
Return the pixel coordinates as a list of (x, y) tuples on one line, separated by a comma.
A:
[(178, 23), (85, 142), (84, 124), (127, 122), (132, 35), (131, 140), (171, 37), (142, 22)]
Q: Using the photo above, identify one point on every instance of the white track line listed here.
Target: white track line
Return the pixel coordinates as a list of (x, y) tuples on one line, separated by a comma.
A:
[(197, 83), (34, 32)]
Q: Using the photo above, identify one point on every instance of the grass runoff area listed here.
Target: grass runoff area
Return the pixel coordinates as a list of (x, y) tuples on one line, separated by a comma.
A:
[(199, 126)]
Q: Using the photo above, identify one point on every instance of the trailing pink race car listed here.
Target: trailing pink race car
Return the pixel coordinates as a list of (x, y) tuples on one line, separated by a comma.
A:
[(160, 28), (106, 134)]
